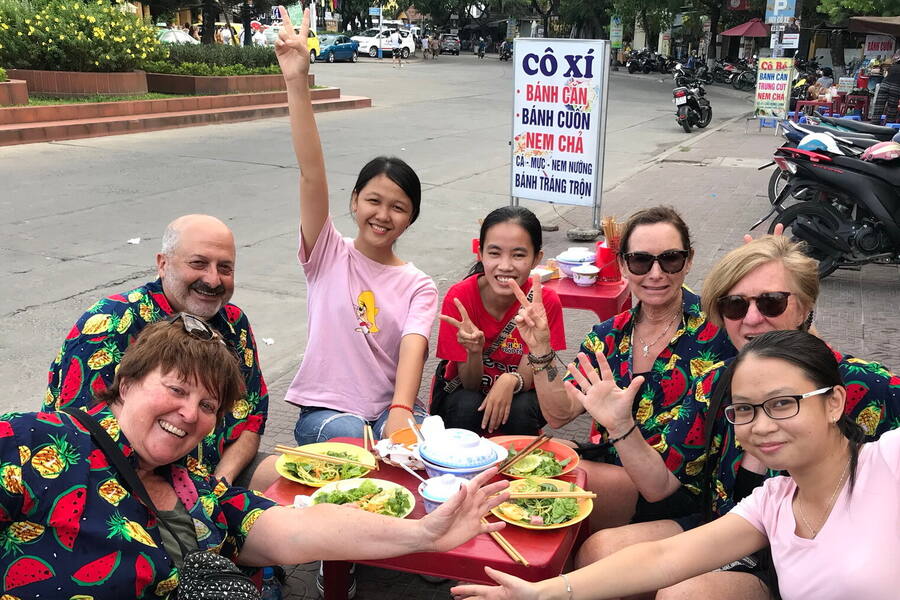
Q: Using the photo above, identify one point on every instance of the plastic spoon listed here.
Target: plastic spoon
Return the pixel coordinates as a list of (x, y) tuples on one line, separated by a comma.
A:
[(416, 431), (411, 472)]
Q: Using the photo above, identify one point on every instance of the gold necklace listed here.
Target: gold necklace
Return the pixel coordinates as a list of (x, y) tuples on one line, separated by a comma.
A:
[(831, 501), (645, 347)]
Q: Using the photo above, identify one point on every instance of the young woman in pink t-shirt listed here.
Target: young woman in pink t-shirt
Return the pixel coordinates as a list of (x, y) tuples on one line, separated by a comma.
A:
[(832, 525), (495, 392), (370, 312)]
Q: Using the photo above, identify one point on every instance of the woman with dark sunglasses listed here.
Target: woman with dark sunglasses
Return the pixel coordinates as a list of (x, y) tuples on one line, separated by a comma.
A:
[(831, 525), (665, 340), (766, 285)]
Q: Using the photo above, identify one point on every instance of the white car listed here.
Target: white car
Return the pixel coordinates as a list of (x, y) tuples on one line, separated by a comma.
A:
[(370, 39)]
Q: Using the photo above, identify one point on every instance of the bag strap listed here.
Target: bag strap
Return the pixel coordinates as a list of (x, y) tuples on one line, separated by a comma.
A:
[(454, 383), (120, 462)]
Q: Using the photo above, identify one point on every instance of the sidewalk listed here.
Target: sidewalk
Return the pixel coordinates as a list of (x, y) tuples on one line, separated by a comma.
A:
[(712, 179)]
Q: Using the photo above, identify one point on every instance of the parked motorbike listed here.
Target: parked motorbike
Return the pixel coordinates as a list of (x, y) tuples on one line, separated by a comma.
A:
[(744, 80), (691, 106), (505, 51), (724, 72), (848, 209), (682, 75), (633, 64), (665, 64)]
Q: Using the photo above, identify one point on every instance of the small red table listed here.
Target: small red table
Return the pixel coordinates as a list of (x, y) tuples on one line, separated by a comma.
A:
[(606, 299), (813, 104), (546, 551)]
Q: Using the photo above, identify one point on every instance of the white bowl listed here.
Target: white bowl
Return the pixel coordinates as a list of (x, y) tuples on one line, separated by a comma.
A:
[(574, 257), (458, 449), (433, 498), (585, 275)]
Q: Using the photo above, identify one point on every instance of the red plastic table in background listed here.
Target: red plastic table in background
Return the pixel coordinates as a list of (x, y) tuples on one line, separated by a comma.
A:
[(546, 551), (605, 299)]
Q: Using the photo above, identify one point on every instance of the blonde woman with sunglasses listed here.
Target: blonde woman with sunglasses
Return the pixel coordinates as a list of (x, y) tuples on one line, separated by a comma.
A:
[(658, 346)]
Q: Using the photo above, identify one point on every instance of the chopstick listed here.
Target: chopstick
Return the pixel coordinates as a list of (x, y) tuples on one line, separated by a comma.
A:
[(322, 457), (369, 443), (537, 443), (507, 547), (520, 495)]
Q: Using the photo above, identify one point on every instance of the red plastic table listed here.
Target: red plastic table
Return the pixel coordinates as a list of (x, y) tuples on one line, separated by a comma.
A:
[(814, 104), (546, 551), (606, 299)]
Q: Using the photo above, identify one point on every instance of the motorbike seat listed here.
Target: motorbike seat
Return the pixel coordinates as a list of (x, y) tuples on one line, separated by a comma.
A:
[(887, 171), (846, 135), (859, 126)]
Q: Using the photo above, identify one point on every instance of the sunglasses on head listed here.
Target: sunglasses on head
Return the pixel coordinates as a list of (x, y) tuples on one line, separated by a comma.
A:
[(769, 304), (670, 261), (195, 326)]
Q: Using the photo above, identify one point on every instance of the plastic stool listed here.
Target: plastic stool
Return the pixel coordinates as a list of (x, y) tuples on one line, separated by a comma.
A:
[(852, 117), (803, 119), (768, 122)]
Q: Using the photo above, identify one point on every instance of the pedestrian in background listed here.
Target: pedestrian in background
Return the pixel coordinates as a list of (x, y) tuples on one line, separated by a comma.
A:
[(396, 43), (889, 93)]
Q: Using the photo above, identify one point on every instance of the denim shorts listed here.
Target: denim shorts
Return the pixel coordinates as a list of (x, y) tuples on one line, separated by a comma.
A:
[(318, 424)]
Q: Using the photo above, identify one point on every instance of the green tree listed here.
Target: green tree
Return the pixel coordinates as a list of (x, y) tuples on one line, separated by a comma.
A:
[(839, 10), (589, 17)]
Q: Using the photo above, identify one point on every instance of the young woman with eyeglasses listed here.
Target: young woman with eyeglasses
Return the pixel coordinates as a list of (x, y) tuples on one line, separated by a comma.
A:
[(766, 285), (660, 344), (831, 525)]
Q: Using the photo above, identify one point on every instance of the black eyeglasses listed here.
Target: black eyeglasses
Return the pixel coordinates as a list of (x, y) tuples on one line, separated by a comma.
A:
[(670, 261), (780, 407), (769, 304)]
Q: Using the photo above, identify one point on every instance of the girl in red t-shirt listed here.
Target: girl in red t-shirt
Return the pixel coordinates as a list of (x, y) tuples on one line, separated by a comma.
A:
[(488, 387)]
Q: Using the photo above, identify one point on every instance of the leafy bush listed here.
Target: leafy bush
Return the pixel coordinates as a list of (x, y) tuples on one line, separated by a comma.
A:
[(2, 74), (252, 57), (74, 35), (195, 68)]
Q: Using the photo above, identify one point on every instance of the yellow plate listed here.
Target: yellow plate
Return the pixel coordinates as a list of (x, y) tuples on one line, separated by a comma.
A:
[(358, 454), (585, 505), (349, 484)]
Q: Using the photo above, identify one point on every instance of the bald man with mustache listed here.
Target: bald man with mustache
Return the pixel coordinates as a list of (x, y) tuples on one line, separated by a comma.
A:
[(195, 268)]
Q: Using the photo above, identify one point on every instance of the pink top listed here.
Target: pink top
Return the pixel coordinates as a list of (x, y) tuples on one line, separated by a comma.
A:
[(358, 310), (854, 556)]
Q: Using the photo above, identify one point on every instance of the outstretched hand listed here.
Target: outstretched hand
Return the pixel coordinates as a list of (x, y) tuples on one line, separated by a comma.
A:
[(291, 47), (510, 588), (468, 335), (531, 322), (458, 520), (609, 404)]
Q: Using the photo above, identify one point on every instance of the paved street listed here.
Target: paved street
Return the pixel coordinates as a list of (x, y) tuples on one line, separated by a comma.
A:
[(69, 209)]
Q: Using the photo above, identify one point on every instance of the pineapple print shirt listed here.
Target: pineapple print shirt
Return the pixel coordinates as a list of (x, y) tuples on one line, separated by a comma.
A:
[(68, 528), (873, 401), (92, 350), (694, 348)]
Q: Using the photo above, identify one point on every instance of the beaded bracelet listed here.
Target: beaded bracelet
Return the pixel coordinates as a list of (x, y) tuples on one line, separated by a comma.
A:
[(403, 406), (544, 358), (520, 384)]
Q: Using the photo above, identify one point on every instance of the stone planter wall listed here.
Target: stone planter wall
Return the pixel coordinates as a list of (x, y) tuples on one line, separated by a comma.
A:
[(203, 85), (13, 92), (67, 84)]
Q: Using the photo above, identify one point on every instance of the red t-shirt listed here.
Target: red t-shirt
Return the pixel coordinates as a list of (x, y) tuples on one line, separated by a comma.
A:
[(507, 357)]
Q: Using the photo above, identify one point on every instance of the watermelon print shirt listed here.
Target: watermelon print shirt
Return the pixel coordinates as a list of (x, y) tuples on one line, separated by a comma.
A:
[(695, 347), (91, 352), (873, 401), (69, 529)]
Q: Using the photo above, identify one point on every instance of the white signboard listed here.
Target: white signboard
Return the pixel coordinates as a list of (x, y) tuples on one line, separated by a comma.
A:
[(790, 40), (879, 45), (615, 32), (846, 84), (559, 120)]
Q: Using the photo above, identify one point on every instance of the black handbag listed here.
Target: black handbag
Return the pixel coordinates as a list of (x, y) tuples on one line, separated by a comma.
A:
[(204, 575)]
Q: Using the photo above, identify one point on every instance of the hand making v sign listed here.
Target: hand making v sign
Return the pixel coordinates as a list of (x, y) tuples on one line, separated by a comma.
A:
[(468, 335), (532, 322), (290, 47)]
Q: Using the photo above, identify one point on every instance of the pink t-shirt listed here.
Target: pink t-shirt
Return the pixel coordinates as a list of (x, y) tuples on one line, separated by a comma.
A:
[(358, 311), (854, 556)]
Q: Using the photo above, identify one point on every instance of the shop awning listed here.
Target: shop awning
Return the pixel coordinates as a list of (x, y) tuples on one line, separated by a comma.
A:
[(885, 25), (752, 28)]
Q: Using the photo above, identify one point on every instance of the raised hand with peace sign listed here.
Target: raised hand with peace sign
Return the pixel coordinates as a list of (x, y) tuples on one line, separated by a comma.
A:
[(291, 48), (532, 321), (468, 335)]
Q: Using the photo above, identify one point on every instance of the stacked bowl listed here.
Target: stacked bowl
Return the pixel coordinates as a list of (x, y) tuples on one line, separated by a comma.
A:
[(459, 452)]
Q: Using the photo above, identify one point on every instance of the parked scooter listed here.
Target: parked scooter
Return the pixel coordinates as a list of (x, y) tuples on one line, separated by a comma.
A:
[(506, 50), (848, 209), (691, 106), (682, 75)]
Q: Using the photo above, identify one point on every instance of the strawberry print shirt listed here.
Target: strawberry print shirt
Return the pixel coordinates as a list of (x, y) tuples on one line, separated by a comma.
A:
[(91, 352), (693, 349), (873, 401), (68, 527)]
